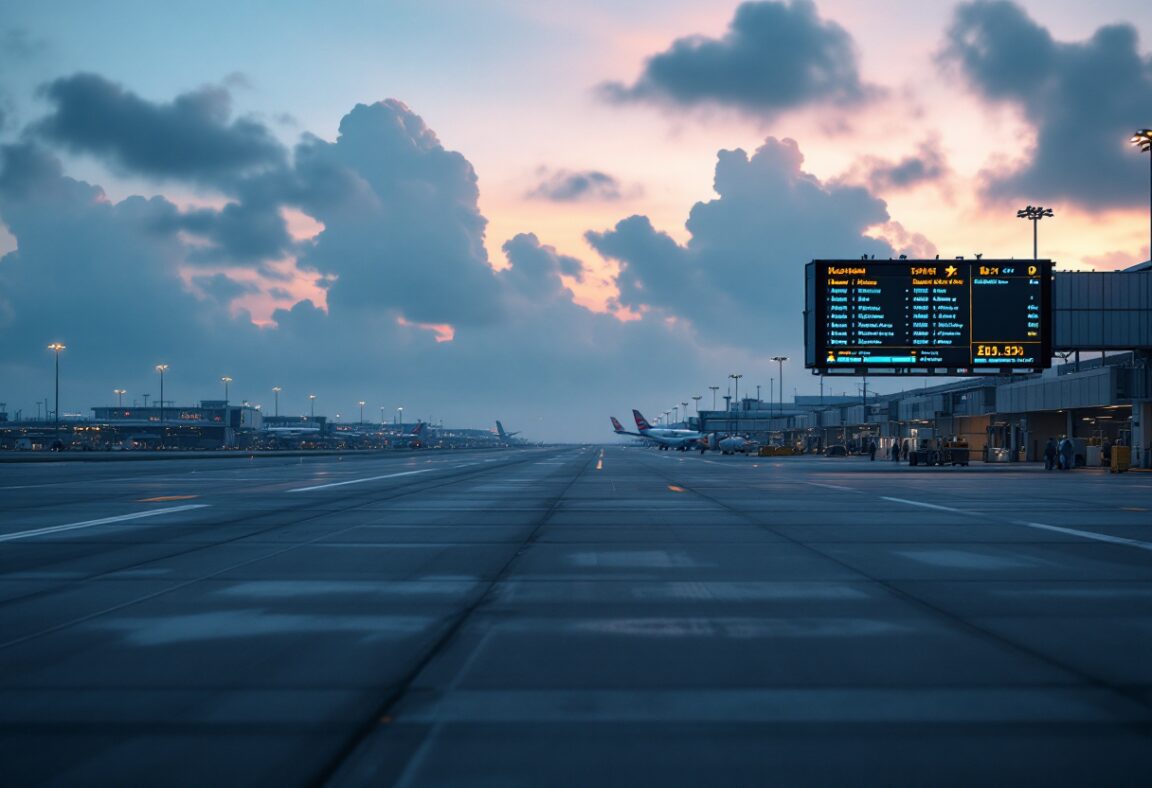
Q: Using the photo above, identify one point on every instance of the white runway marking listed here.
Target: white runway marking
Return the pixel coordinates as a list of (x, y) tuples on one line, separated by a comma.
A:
[(1027, 524), (103, 521), (839, 487), (361, 481)]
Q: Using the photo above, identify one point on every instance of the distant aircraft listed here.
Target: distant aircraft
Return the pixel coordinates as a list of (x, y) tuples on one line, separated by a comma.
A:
[(505, 436), (668, 438), (414, 436), (619, 429)]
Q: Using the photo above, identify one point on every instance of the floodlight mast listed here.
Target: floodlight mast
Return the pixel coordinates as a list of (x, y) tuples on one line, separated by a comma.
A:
[(1034, 213), (1143, 140)]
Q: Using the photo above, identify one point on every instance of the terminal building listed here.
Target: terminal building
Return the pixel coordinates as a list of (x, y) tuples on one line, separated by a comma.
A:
[(1100, 394)]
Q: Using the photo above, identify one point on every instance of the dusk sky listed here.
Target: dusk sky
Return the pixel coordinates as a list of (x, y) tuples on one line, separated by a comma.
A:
[(542, 212)]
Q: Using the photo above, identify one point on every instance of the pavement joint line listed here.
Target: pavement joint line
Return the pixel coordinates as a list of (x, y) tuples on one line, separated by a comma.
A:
[(1029, 524), (55, 529), (361, 481)]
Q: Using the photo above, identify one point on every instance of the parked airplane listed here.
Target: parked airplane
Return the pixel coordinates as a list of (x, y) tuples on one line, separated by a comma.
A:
[(506, 437), (414, 437), (619, 429), (668, 438)]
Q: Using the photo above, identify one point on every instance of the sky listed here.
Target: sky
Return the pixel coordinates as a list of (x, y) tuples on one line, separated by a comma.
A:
[(543, 212)]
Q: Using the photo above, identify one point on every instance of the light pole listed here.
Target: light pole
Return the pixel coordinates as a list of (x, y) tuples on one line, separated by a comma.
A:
[(311, 407), (1034, 213), (120, 396), (381, 417), (361, 411), (400, 416), (667, 413), (276, 393), (736, 377), (225, 380), (1143, 140), (685, 406), (780, 366), (675, 413), (696, 401), (161, 368), (56, 346), (714, 390)]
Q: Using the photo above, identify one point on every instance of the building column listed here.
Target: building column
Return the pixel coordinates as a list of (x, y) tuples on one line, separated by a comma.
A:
[(1142, 434)]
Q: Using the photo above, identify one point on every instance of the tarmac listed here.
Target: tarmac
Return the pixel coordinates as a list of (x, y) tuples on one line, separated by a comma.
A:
[(573, 616)]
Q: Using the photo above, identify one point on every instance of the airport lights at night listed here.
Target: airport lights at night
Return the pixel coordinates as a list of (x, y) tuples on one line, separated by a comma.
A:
[(57, 347), (311, 407), (276, 392), (161, 368), (1143, 140), (780, 366), (362, 404), (119, 396), (1034, 213), (225, 380)]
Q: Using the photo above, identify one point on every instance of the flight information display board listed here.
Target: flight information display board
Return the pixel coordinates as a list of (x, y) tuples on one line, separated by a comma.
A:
[(958, 317)]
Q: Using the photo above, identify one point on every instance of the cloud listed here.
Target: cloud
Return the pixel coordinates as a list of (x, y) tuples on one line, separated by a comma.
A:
[(775, 56), (739, 279), (927, 165), (192, 137), (402, 224), (568, 186), (223, 288), (1078, 96)]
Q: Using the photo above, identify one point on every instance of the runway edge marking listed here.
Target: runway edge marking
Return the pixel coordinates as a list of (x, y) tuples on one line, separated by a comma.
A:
[(103, 521), (361, 481)]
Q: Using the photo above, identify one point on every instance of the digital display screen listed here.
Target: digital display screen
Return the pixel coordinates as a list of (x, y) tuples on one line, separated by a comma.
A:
[(925, 316)]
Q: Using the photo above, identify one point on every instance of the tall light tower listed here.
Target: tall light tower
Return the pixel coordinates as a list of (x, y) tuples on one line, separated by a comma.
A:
[(161, 368), (400, 416), (1034, 213), (57, 347), (276, 393), (714, 390), (119, 396), (311, 407), (1143, 140), (736, 377), (362, 403), (225, 380), (780, 367), (685, 406), (696, 400)]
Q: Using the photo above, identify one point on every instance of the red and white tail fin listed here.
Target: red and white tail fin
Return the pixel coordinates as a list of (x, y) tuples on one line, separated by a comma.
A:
[(616, 425), (641, 422)]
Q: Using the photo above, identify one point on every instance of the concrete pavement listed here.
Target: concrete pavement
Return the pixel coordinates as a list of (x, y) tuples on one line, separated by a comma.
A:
[(573, 616)]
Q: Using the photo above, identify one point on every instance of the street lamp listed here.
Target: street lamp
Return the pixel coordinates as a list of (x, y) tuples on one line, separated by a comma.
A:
[(667, 413), (276, 393), (119, 396), (311, 407), (1143, 140), (714, 390), (226, 380), (1034, 213), (161, 368), (56, 346), (736, 377), (696, 401), (400, 416), (675, 413), (780, 366), (361, 411)]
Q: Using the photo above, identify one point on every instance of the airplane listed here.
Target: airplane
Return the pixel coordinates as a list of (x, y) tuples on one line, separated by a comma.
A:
[(506, 437), (415, 436), (619, 429), (668, 438)]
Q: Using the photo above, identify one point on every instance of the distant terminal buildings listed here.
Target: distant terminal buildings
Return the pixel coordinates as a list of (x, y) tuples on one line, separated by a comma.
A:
[(1094, 401), (218, 424)]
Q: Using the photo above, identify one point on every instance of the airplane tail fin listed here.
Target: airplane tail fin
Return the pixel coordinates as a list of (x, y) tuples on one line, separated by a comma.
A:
[(418, 429), (500, 430), (641, 422), (616, 426)]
